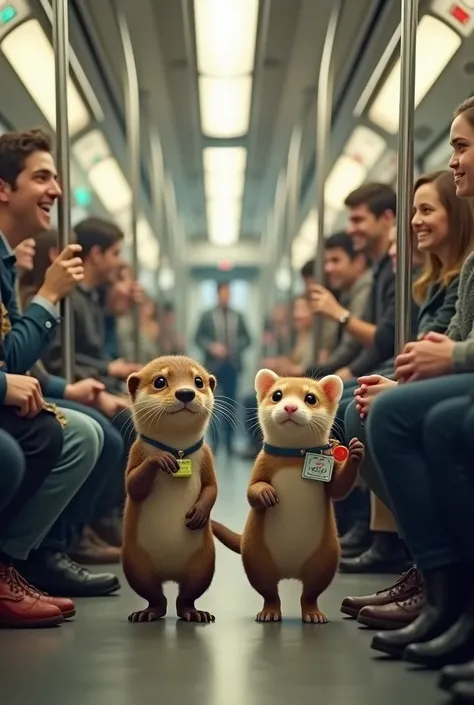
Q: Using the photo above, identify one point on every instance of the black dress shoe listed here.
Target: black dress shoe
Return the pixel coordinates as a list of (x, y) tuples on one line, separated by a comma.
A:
[(463, 692), (357, 540), (58, 575), (451, 675), (456, 645), (386, 555), (445, 600)]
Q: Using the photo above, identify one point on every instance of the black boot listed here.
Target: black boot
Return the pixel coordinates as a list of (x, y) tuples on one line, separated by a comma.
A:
[(446, 594), (357, 540), (387, 554), (451, 675), (456, 645)]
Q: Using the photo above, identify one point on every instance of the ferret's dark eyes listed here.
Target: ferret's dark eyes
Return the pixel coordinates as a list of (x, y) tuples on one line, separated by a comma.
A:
[(310, 399), (160, 383), (199, 383), (277, 396)]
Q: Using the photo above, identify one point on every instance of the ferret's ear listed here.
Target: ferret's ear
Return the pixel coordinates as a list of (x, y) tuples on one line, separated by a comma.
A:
[(333, 387), (133, 383), (264, 380), (212, 382)]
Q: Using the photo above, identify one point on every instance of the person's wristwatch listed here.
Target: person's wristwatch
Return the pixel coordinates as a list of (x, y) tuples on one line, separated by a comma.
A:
[(343, 319)]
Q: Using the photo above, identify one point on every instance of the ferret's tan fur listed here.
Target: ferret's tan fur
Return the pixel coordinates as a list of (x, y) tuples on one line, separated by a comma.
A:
[(158, 546), (297, 536)]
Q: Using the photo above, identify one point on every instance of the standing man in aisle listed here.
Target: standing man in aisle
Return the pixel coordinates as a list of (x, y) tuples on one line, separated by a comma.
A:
[(223, 336)]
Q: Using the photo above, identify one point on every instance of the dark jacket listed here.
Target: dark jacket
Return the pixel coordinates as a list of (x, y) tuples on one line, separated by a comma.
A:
[(90, 358), (210, 330)]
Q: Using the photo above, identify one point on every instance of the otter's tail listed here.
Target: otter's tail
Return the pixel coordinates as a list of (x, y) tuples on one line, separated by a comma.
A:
[(229, 538)]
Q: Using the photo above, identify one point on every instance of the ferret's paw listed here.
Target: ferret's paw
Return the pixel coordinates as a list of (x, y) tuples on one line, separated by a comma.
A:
[(197, 616), (268, 615), (151, 614), (314, 617), (356, 450)]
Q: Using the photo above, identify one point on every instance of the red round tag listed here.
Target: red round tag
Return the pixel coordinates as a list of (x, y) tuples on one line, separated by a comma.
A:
[(340, 453)]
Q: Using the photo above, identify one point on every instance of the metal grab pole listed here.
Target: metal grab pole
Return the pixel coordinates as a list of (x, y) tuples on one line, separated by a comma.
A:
[(61, 65), (405, 172), (323, 134), (132, 101), (293, 195)]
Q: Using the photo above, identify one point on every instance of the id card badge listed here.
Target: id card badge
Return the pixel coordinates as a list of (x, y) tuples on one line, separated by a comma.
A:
[(185, 468), (318, 467)]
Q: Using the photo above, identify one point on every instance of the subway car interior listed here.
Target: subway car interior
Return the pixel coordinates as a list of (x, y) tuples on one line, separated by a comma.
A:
[(236, 351)]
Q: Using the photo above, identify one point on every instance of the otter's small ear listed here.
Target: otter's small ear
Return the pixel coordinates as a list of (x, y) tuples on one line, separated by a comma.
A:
[(212, 382), (333, 387), (133, 382), (264, 380)]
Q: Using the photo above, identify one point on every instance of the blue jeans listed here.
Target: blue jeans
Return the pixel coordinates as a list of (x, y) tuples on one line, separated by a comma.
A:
[(421, 460), (105, 482), (81, 449)]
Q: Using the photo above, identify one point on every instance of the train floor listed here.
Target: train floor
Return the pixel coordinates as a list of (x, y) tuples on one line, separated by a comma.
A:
[(100, 659)]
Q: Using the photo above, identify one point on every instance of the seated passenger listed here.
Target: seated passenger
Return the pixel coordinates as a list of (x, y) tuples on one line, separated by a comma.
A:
[(101, 252), (346, 269), (403, 423), (443, 226), (102, 494)]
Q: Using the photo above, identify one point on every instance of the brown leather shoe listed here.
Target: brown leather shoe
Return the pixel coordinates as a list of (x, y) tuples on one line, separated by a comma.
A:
[(64, 604), (19, 609), (393, 616), (407, 584)]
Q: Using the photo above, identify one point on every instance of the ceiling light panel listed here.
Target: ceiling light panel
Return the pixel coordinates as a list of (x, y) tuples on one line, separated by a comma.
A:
[(436, 44), (31, 55), (225, 106), (223, 217), (224, 160), (226, 34), (110, 185), (365, 146)]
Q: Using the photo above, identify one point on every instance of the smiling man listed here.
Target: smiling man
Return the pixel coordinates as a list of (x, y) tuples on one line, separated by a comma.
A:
[(28, 191)]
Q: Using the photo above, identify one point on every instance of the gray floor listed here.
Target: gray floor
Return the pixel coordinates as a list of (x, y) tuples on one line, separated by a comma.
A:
[(100, 658)]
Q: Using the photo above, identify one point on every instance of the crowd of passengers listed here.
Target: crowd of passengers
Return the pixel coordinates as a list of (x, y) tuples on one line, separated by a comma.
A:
[(64, 445), (411, 513)]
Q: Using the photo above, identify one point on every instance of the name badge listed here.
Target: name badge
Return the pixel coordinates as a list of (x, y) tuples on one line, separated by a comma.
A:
[(318, 467), (185, 468)]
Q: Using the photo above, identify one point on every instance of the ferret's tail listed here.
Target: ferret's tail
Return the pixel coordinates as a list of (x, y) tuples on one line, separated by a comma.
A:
[(229, 538)]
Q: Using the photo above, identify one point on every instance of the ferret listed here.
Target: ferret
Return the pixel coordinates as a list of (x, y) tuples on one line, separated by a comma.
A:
[(291, 529), (171, 488)]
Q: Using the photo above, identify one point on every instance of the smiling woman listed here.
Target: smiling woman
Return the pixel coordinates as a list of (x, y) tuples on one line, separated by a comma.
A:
[(462, 142)]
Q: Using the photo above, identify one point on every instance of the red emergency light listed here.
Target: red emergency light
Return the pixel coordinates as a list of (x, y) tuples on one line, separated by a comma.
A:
[(460, 14), (225, 265)]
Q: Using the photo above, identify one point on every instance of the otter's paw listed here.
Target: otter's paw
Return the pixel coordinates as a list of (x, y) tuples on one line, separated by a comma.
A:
[(268, 498), (356, 450), (197, 616), (167, 463), (151, 614), (269, 615), (314, 617)]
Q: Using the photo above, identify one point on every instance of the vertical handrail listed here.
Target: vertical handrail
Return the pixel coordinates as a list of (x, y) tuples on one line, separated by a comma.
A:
[(157, 182), (61, 65), (323, 135), (409, 26), (293, 195), (132, 111)]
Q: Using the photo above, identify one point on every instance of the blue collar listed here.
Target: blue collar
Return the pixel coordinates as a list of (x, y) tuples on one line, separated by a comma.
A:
[(294, 452), (6, 250), (177, 453)]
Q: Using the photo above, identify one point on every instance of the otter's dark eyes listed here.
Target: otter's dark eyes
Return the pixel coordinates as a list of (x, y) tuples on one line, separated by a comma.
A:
[(199, 383), (160, 383), (277, 396), (310, 399)]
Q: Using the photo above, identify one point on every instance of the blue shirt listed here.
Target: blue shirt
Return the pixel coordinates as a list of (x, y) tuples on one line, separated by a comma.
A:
[(24, 337)]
